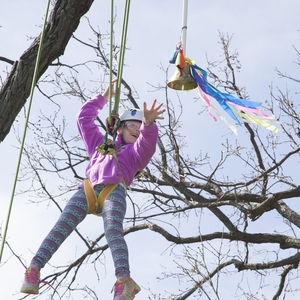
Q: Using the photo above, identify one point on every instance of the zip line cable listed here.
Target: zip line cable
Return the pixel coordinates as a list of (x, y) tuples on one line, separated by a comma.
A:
[(25, 127)]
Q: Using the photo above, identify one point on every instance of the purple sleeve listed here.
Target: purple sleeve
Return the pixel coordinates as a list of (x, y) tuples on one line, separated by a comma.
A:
[(87, 128), (145, 145)]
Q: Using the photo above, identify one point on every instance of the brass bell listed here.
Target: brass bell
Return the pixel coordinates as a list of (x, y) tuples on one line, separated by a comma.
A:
[(182, 79)]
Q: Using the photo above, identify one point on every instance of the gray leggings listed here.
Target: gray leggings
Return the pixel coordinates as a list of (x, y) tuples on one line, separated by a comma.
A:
[(113, 213)]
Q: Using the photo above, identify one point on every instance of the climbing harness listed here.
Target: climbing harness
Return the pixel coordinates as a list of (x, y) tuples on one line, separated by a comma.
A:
[(34, 80), (95, 204), (109, 149)]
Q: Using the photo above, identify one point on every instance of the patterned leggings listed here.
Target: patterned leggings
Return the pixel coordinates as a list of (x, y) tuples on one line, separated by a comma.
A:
[(113, 214)]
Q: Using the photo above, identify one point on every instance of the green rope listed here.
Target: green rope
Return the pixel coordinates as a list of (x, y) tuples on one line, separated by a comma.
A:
[(25, 127), (122, 54), (111, 58)]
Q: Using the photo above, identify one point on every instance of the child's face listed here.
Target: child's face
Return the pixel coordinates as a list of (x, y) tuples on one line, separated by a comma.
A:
[(130, 131)]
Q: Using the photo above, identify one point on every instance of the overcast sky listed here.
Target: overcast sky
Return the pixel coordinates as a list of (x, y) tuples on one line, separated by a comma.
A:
[(264, 33)]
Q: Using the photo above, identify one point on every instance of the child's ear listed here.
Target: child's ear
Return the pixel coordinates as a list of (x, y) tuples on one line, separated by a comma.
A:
[(120, 130)]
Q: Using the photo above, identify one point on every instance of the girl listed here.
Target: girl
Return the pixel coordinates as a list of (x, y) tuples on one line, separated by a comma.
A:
[(104, 191)]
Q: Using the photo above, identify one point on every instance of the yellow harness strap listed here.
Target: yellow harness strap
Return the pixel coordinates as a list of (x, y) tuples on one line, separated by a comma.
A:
[(92, 201)]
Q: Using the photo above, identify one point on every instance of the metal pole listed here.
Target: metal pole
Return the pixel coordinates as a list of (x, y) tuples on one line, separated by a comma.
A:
[(184, 26)]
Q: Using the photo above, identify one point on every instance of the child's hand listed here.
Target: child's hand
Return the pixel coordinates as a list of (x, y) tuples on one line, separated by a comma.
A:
[(106, 93), (150, 115)]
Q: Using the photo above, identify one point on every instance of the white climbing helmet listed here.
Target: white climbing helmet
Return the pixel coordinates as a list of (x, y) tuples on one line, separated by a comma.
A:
[(132, 115)]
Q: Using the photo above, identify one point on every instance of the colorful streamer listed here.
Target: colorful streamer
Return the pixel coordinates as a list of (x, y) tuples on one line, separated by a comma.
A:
[(240, 110)]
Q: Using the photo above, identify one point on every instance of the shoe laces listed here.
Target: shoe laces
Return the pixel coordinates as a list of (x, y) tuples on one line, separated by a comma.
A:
[(32, 276), (118, 288), (124, 288)]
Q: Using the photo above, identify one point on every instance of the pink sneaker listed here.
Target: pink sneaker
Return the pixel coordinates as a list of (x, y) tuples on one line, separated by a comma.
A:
[(31, 281), (125, 289)]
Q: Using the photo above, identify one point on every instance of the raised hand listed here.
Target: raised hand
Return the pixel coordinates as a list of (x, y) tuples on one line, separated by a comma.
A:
[(106, 93), (154, 113)]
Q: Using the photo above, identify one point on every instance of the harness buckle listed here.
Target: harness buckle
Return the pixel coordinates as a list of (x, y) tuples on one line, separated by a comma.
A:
[(107, 146)]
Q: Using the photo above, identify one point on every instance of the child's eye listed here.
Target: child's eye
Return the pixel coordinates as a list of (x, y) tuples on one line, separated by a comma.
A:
[(133, 125)]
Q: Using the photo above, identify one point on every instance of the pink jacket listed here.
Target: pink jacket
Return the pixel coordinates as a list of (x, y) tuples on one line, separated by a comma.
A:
[(104, 169)]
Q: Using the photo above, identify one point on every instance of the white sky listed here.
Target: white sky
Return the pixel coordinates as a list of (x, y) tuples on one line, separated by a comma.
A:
[(264, 35)]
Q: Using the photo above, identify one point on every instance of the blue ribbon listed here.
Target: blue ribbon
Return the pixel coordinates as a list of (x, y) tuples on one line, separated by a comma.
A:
[(221, 98)]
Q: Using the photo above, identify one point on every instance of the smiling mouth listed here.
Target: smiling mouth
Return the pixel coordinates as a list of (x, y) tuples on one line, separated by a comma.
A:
[(134, 136)]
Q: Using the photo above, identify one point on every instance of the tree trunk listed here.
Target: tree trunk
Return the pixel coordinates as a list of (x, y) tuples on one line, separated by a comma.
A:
[(63, 21)]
